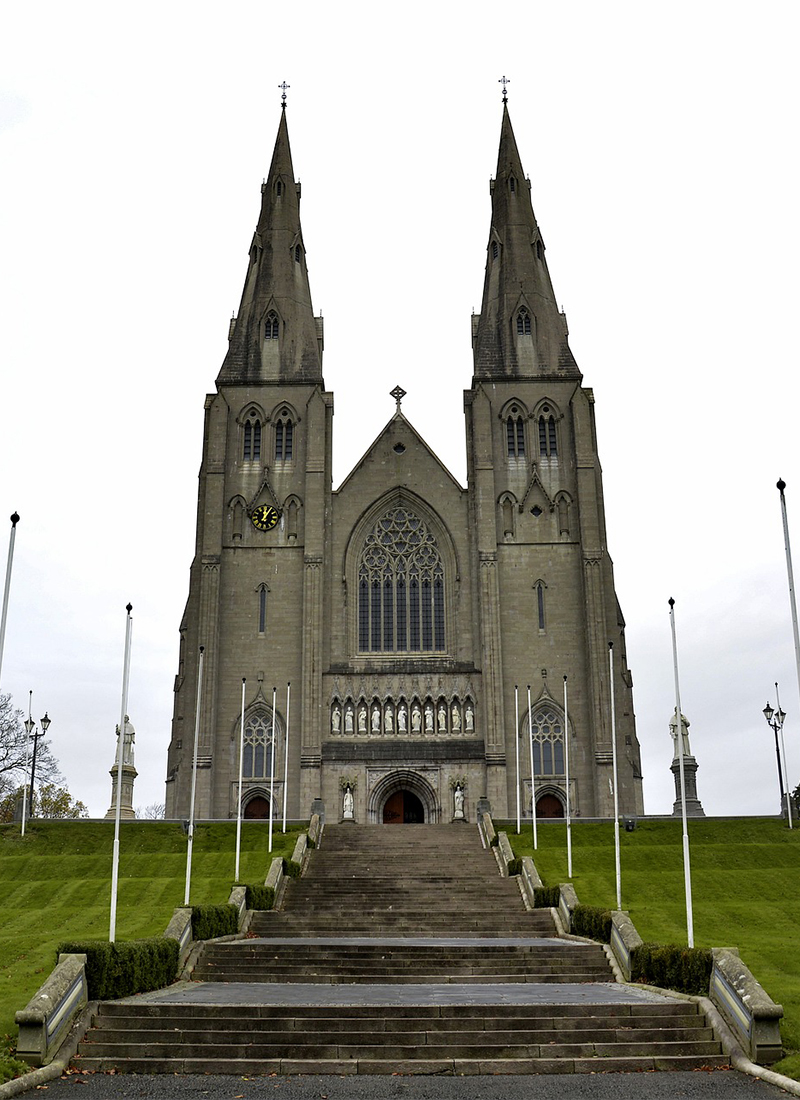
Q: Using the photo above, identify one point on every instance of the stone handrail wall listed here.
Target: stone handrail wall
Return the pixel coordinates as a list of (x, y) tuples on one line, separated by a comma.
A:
[(315, 830), (567, 902), (44, 1022), (624, 938), (529, 877), (746, 1006), (486, 826)]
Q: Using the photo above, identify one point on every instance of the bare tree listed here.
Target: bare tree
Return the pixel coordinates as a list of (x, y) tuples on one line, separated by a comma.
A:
[(15, 751), (154, 812)]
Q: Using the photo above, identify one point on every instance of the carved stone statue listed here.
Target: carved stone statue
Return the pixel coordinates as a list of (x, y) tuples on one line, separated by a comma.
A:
[(401, 720), (458, 803), (362, 719), (456, 718), (336, 719), (673, 729), (347, 804), (469, 719), (376, 719), (388, 719), (416, 720), (348, 719), (442, 718), (428, 718)]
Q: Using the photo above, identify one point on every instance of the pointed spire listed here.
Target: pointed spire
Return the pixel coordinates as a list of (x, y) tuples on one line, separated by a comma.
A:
[(275, 336), (520, 332)]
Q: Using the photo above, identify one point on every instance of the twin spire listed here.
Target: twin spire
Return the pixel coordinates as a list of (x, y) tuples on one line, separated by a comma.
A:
[(519, 332)]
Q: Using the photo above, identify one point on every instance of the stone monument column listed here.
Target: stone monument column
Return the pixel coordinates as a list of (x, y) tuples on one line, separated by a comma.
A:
[(693, 805), (129, 773)]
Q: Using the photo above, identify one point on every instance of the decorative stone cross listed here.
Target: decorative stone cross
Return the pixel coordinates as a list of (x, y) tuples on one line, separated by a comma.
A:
[(283, 86), (504, 80), (398, 393)]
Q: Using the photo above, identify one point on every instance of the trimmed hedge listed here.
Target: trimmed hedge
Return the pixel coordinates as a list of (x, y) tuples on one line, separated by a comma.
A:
[(291, 869), (122, 969), (259, 897), (514, 867), (210, 921), (685, 969), (591, 921), (546, 897)]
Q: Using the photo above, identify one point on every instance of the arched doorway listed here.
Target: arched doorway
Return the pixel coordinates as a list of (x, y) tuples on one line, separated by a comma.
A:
[(257, 807), (403, 808), (549, 806)]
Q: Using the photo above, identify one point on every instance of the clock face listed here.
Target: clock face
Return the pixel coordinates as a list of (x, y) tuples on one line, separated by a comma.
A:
[(264, 517)]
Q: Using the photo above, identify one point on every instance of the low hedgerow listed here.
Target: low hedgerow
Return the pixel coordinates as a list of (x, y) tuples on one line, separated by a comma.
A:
[(514, 867), (122, 969), (291, 869), (259, 897), (210, 921), (685, 969), (546, 897), (591, 921)]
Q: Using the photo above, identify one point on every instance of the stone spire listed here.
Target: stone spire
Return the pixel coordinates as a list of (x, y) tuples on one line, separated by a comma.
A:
[(275, 336), (519, 332)]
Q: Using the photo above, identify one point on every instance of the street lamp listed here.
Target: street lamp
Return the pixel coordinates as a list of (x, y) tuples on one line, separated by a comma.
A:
[(30, 728), (775, 720)]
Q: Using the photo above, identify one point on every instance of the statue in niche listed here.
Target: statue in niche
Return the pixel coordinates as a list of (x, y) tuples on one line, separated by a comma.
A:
[(336, 720), (442, 718), (362, 719), (388, 720), (469, 718), (416, 720), (458, 803), (401, 719), (456, 718), (348, 719), (428, 718), (376, 719), (347, 804)]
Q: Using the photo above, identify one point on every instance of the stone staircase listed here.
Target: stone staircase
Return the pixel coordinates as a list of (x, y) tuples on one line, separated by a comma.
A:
[(402, 950)]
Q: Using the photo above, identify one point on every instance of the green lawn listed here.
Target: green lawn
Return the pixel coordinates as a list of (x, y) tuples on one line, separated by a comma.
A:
[(745, 891), (56, 885)]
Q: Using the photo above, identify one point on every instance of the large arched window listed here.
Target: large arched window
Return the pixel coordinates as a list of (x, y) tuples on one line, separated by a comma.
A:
[(548, 741), (257, 758), (400, 587)]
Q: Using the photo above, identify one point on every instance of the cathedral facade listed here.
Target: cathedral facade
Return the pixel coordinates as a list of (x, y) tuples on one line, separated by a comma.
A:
[(409, 613)]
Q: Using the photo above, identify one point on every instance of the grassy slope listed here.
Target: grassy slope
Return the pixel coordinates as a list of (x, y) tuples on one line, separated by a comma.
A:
[(745, 891), (56, 884)]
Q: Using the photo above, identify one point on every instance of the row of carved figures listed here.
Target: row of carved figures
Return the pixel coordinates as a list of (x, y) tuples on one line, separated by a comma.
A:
[(423, 719)]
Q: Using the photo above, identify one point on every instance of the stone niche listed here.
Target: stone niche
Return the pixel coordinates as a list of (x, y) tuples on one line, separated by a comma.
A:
[(410, 708)]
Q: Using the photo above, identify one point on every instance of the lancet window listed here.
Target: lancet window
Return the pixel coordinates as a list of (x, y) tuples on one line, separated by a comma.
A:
[(548, 741), (271, 326), (284, 436), (515, 434), (548, 443), (401, 587), (523, 323), (252, 437), (257, 757)]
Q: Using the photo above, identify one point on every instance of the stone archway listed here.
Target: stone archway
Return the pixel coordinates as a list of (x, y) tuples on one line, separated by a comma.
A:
[(403, 797), (548, 805), (256, 806)]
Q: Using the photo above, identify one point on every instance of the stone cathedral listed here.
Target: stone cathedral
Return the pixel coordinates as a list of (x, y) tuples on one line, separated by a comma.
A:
[(408, 613)]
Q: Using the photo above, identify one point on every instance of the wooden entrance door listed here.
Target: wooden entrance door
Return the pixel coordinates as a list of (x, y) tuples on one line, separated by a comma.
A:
[(257, 807), (403, 808), (549, 806)]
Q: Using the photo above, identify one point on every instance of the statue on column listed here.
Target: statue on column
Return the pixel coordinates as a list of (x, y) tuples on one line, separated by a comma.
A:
[(129, 774), (681, 747)]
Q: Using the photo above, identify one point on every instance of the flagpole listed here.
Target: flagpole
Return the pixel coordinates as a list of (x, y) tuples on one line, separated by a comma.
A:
[(614, 767), (112, 931), (190, 842), (286, 756), (516, 741), (272, 769), (7, 590), (239, 798), (785, 762), (792, 599), (687, 871), (566, 767), (533, 774), (28, 724)]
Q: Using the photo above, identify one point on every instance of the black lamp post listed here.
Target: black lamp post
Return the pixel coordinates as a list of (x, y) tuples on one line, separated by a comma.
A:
[(775, 719), (30, 728)]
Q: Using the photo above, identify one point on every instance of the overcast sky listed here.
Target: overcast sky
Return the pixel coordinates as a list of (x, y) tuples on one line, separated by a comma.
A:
[(661, 142)]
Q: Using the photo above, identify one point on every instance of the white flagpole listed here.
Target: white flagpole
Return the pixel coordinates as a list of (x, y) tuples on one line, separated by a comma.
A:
[(516, 741), (785, 772), (687, 871), (190, 841), (286, 756), (7, 590), (239, 797), (792, 600), (533, 773), (566, 768), (614, 768), (25, 785), (120, 743), (272, 770)]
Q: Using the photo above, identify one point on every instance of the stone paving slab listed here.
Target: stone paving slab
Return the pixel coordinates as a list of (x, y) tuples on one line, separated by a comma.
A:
[(388, 995)]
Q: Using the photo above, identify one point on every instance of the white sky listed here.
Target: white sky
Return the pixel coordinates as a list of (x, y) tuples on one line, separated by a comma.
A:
[(661, 141)]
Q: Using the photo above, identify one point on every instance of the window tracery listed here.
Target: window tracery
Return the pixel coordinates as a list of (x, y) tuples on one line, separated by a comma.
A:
[(548, 440), (401, 587), (257, 758), (271, 326), (515, 433), (284, 437), (548, 741), (252, 437)]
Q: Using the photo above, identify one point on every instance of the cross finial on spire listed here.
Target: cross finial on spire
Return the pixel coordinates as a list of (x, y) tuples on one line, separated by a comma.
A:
[(504, 80), (283, 86), (398, 393)]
